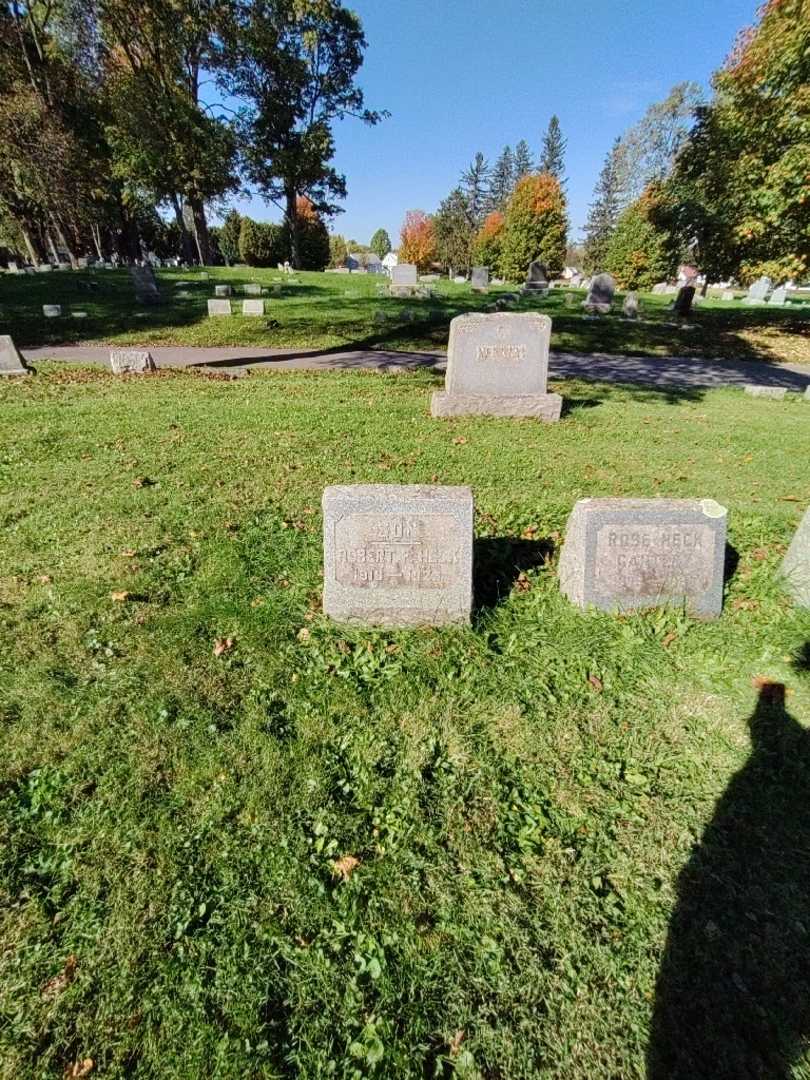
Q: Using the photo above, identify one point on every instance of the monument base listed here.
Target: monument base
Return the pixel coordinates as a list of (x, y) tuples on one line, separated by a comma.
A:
[(15, 372), (539, 406)]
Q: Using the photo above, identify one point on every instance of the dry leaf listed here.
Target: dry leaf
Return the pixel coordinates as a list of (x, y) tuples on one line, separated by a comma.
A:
[(222, 645), (257, 602), (54, 987), (596, 683), (669, 638), (129, 553), (454, 1045), (460, 441), (435, 478), (120, 595), (769, 689), (759, 554), (45, 579), (79, 1069), (304, 634), (790, 498), (345, 866), (142, 482), (528, 532), (522, 584)]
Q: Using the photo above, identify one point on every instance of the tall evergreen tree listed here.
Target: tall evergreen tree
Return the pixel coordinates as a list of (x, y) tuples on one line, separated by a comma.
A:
[(380, 243), (455, 231), (502, 180), (604, 210), (552, 156), (474, 185), (523, 163)]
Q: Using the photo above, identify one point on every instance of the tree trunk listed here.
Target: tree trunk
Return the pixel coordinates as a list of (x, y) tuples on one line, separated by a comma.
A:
[(60, 235), (52, 245), (33, 249), (201, 230), (95, 232), (185, 235), (292, 221)]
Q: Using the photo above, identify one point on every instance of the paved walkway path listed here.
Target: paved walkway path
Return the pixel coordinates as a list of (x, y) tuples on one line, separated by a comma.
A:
[(663, 372)]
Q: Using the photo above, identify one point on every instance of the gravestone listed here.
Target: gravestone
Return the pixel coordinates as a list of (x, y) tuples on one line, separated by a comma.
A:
[(51, 311), (727, 295), (570, 299), (600, 295), (78, 314), (796, 564), (82, 262), (253, 307), (497, 365), (659, 288), (480, 279), (219, 307), (398, 555), (146, 290), (13, 268), (682, 305), (252, 289), (404, 274), (779, 296), (630, 306), (756, 390), (759, 290), (131, 361), (11, 363), (222, 290), (629, 554), (537, 277), (204, 276)]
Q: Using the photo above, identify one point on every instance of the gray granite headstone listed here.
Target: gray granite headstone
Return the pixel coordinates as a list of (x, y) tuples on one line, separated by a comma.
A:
[(11, 363), (12, 267), (759, 289), (779, 296), (628, 554), (630, 306), (253, 289), (131, 361), (600, 294), (219, 307), (756, 390), (480, 278), (398, 555), (497, 365), (660, 288), (727, 295), (796, 564), (537, 276), (222, 290), (683, 301), (146, 290), (51, 311), (404, 274), (253, 307)]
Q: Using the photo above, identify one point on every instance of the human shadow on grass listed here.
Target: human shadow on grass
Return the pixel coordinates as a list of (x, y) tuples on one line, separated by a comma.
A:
[(733, 993), (499, 563)]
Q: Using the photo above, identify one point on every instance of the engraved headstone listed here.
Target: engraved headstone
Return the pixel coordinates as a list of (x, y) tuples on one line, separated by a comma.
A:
[(497, 365), (630, 306), (253, 307), (629, 554), (759, 289), (11, 363), (13, 268), (398, 555), (537, 277), (131, 361), (51, 311), (779, 296), (219, 307), (404, 274), (146, 290), (252, 289), (480, 279), (755, 390), (682, 306), (600, 295), (222, 290), (796, 564)]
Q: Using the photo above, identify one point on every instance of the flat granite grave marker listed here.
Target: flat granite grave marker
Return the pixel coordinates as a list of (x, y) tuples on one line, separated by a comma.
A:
[(219, 307), (497, 365), (131, 361), (398, 555), (253, 289), (146, 290), (51, 311), (629, 554), (600, 295), (222, 290), (796, 564), (404, 274), (480, 279), (253, 307), (755, 390), (11, 363)]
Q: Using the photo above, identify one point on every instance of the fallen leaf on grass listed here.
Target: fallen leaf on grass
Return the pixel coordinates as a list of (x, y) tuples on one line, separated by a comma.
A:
[(454, 1044), (222, 645), (257, 602), (668, 639), (460, 441), (129, 553), (741, 604), (54, 987), (304, 634), (790, 498), (45, 579), (528, 532), (596, 683), (522, 584), (142, 482), (345, 866), (120, 595), (769, 689), (79, 1069)]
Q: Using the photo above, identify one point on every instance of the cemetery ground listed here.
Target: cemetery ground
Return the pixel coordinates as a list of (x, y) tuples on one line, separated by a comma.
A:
[(239, 840), (346, 311)]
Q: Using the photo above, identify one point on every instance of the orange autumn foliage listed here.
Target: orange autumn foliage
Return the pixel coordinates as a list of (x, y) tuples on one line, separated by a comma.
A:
[(417, 240)]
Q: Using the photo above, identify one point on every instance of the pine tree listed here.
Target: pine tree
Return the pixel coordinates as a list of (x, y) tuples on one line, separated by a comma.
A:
[(523, 163), (454, 230), (604, 210), (502, 180), (552, 156), (474, 185), (380, 243), (535, 226)]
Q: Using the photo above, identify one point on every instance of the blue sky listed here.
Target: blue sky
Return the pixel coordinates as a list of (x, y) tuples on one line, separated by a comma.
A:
[(465, 75)]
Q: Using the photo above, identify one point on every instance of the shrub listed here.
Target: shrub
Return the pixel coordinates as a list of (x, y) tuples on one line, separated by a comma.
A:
[(262, 243), (639, 253)]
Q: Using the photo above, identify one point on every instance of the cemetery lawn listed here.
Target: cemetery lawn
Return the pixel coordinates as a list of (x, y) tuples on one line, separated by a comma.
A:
[(237, 840), (327, 311)]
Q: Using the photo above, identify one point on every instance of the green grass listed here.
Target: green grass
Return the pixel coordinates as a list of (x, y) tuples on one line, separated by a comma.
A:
[(520, 796), (333, 310)]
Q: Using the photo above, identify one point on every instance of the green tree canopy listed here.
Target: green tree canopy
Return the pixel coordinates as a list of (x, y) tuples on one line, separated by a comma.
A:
[(380, 243), (535, 226)]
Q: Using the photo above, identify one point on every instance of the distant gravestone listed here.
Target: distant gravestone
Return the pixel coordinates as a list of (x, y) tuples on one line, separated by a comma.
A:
[(222, 290), (629, 554), (570, 300), (480, 279), (755, 390), (146, 290), (204, 276), (11, 363), (659, 288), (131, 361), (727, 295), (600, 295), (682, 305), (630, 306), (253, 289), (537, 277), (779, 296), (398, 555), (796, 564), (404, 274), (253, 307), (497, 365), (760, 289), (51, 311), (82, 262), (13, 268), (219, 307)]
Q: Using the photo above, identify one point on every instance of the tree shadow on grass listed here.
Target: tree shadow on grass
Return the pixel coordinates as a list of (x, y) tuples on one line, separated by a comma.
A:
[(733, 993), (499, 562)]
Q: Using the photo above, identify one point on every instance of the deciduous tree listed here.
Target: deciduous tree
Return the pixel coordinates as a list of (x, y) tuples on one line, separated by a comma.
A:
[(417, 241)]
